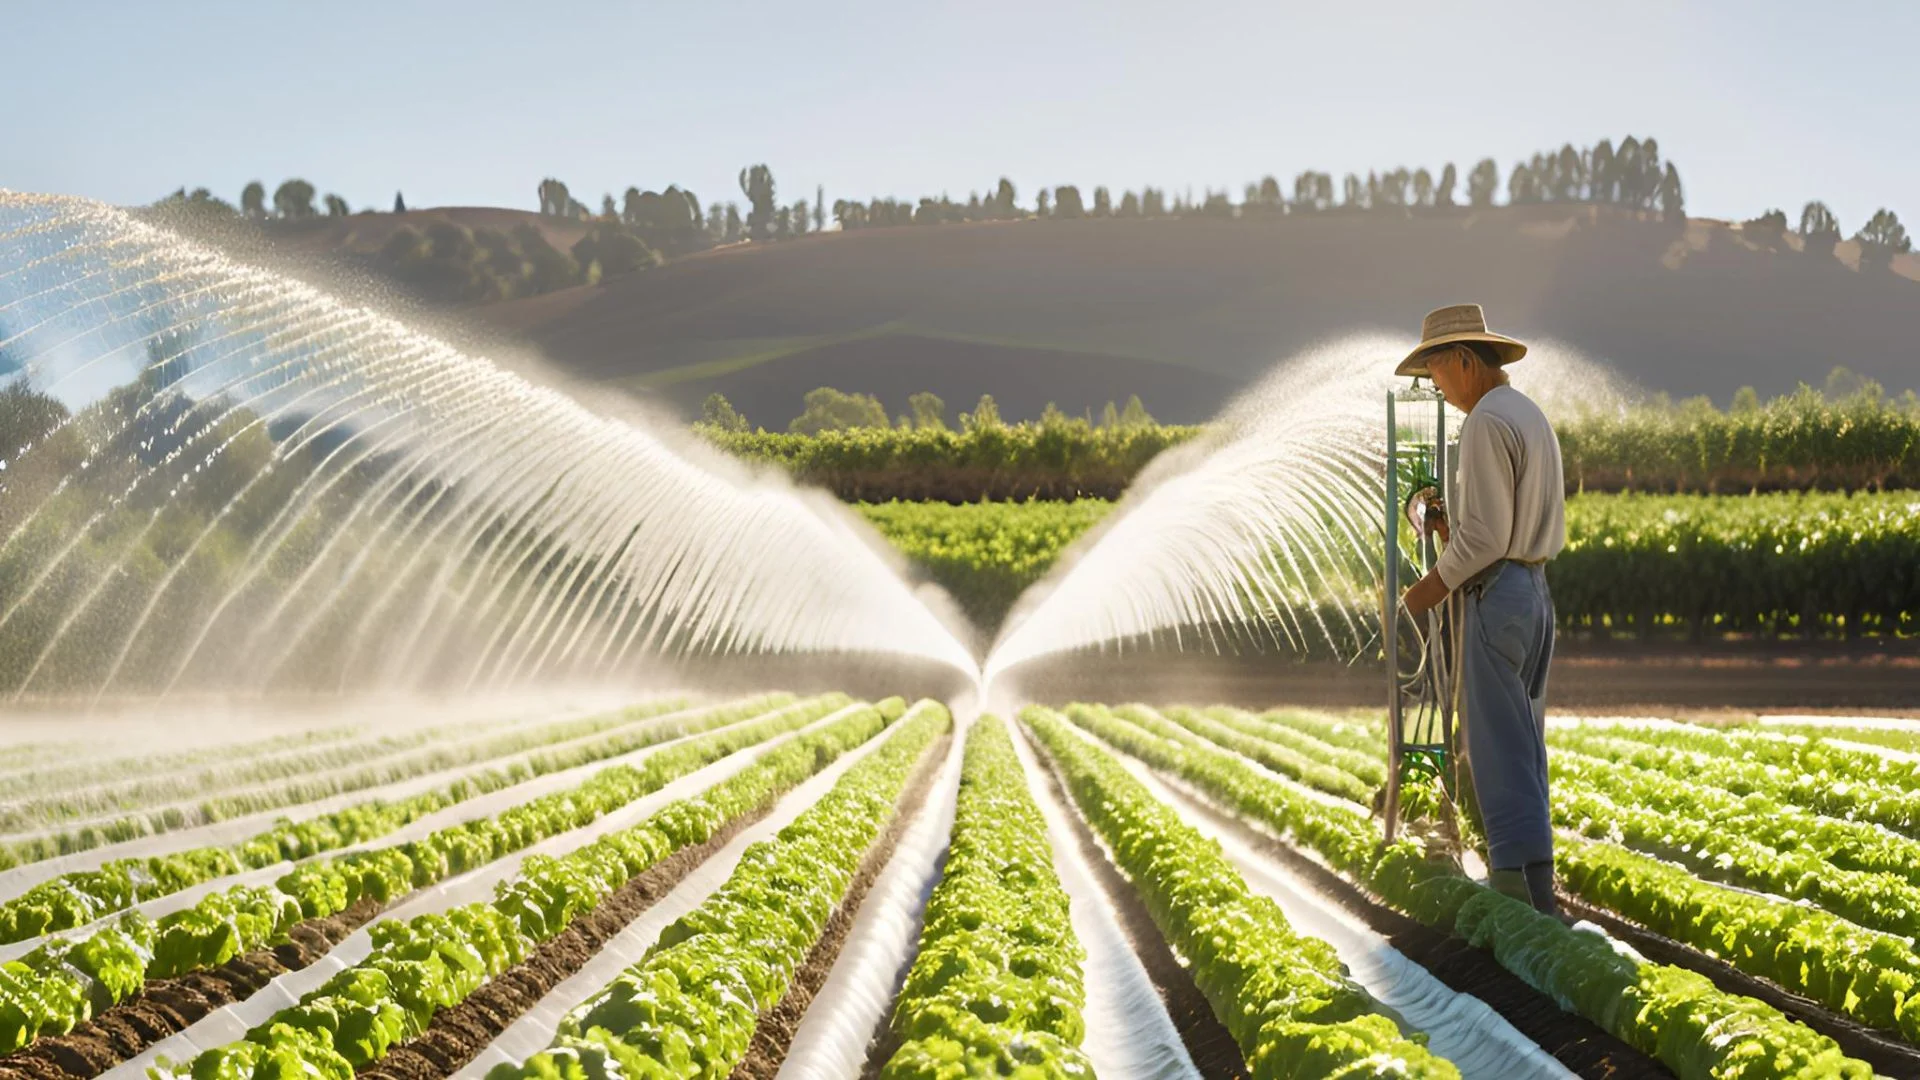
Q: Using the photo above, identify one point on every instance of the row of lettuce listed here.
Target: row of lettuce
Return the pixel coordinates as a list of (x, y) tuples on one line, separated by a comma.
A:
[(537, 749), (1673, 1014), (422, 966), (1791, 563), (81, 897), (1852, 438), (65, 981), (1816, 837)]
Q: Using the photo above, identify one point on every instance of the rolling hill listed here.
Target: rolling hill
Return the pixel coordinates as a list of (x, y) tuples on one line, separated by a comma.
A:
[(1187, 311)]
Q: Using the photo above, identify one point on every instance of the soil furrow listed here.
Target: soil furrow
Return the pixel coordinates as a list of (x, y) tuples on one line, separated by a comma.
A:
[(457, 1035), (165, 1007), (1208, 1042), (773, 1032)]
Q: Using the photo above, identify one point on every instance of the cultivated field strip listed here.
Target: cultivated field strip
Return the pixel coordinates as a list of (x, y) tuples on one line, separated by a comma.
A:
[(523, 923), (1722, 872), (1128, 1030), (1673, 1014), (1459, 1027), (124, 961), (39, 779), (243, 783), (853, 1004), (422, 828), (782, 868), (1282, 995), (75, 898), (232, 1023), (502, 749)]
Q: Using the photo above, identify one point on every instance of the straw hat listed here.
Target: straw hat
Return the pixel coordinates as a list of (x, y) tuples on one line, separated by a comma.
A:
[(1448, 325)]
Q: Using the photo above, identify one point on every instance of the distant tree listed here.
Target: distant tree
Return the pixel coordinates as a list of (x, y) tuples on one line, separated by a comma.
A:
[(1129, 205), (253, 199), (756, 183), (986, 415), (1153, 202), (556, 200), (609, 210), (827, 409), (1135, 416), (1271, 200), (1422, 187), (1482, 183), (1303, 193), (929, 412), (801, 216), (337, 206), (716, 223), (293, 200), (719, 414), (1603, 176), (782, 222), (615, 249), (547, 267), (1881, 239), (1392, 188), (1522, 186), (1353, 193), (1066, 202), (735, 228), (1767, 230), (1745, 400), (399, 203), (1819, 230), (201, 201), (1005, 203), (1043, 204), (1671, 199), (819, 208), (630, 206), (1102, 203), (1449, 179), (1217, 205), (1110, 417)]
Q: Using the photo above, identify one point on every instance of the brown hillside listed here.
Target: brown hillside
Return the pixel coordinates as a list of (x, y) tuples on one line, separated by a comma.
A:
[(1184, 312)]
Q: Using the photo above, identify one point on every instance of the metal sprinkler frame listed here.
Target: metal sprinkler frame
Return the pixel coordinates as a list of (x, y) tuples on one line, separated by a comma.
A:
[(1421, 696)]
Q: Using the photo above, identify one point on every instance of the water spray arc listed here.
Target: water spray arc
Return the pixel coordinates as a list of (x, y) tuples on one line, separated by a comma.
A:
[(215, 477)]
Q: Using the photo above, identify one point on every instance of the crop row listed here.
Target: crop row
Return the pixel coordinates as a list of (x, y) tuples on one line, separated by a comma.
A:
[(61, 984), (432, 962), (996, 987), (291, 774), (984, 554), (84, 896), (1816, 776), (298, 791), (1283, 751), (689, 1008), (1670, 1013), (1284, 997), (33, 772), (1796, 441)]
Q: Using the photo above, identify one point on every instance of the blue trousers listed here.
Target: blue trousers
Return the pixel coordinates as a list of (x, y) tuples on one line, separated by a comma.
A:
[(1506, 645)]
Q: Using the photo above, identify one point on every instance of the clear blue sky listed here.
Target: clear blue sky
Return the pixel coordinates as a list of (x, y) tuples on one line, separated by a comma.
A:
[(1762, 103)]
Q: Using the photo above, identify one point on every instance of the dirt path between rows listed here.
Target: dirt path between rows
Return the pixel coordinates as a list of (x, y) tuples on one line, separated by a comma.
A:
[(165, 1007), (1886, 1052), (773, 1032), (1208, 1042), (457, 1035)]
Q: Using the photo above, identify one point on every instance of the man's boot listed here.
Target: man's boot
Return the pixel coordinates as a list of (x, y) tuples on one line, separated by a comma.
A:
[(1512, 883), (1539, 879)]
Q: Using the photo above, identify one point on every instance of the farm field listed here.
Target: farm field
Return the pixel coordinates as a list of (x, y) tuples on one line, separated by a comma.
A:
[(816, 886), (1784, 563)]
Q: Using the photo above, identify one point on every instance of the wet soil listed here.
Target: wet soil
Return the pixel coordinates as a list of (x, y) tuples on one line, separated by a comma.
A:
[(773, 1032), (1886, 1052), (1572, 1040), (457, 1035), (165, 1007), (1207, 1040)]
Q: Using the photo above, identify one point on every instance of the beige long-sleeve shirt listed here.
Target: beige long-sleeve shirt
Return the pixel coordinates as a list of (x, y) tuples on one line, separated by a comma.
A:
[(1509, 497)]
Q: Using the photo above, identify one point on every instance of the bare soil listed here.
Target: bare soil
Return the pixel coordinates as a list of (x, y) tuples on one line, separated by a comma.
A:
[(1886, 1052), (773, 1032), (1208, 1042), (457, 1035), (1573, 1040), (165, 1007)]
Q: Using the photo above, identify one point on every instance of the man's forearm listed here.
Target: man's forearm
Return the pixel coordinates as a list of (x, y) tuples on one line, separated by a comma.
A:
[(1426, 594)]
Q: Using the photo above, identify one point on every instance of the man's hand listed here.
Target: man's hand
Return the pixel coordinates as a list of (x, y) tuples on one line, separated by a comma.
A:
[(1426, 594)]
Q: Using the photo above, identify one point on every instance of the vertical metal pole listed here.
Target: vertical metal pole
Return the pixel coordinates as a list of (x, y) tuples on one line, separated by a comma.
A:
[(1390, 626), (1446, 670)]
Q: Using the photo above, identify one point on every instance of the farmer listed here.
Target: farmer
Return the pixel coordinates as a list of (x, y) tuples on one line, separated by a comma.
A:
[(1506, 520)]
